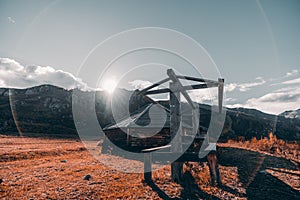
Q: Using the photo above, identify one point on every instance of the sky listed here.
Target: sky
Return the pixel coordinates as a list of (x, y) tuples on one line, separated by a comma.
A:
[(253, 45)]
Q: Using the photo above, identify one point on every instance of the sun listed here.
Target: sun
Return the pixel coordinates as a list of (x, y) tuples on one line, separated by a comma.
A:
[(109, 85)]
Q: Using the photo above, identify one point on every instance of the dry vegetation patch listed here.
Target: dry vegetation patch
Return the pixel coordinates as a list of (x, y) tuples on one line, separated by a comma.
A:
[(34, 168), (270, 145)]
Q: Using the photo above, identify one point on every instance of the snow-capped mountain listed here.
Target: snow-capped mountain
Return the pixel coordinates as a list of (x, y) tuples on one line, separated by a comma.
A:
[(293, 114)]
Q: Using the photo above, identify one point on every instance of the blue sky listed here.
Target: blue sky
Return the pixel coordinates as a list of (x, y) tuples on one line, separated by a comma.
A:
[(255, 44)]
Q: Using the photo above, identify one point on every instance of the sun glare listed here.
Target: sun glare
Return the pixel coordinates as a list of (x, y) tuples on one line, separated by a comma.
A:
[(109, 85)]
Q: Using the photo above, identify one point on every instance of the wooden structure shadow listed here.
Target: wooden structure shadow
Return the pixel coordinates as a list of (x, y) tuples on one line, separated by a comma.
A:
[(190, 190), (252, 173)]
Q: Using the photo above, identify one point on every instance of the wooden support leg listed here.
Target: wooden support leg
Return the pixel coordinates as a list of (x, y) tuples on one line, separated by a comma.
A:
[(104, 146), (177, 171), (147, 168), (214, 168), (218, 174)]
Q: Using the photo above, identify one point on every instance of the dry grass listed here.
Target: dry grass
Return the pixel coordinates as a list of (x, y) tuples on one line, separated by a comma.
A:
[(54, 169), (270, 145)]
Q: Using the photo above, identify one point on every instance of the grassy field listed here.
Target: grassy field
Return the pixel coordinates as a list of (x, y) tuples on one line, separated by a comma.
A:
[(32, 168)]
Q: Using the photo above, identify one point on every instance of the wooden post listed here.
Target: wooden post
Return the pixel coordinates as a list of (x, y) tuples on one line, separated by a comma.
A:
[(175, 126), (147, 167), (128, 139), (220, 93), (212, 156), (195, 120)]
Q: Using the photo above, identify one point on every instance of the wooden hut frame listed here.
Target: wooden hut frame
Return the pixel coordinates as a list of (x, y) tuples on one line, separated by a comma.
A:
[(175, 89)]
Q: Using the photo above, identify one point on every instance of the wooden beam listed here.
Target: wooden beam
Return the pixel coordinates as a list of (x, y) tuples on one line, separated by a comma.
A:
[(195, 121), (156, 148), (220, 93), (186, 87), (175, 129), (154, 85), (149, 99), (175, 119), (214, 168), (200, 86), (148, 167), (196, 79), (159, 91), (179, 87), (128, 139)]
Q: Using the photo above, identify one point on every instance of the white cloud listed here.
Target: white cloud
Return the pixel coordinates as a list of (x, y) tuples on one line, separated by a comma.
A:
[(231, 87), (207, 96), (243, 87), (10, 19), (292, 73), (294, 81), (229, 99), (275, 102), (140, 84), (286, 97), (246, 86), (14, 75)]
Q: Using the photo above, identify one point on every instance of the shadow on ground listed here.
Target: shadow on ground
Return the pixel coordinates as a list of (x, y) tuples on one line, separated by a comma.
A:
[(251, 166), (252, 174), (190, 189)]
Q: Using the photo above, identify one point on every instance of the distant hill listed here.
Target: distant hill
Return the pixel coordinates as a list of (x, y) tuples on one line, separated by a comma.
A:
[(293, 114), (46, 111), (254, 123)]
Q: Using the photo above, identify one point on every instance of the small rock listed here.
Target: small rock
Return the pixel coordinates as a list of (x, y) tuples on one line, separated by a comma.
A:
[(63, 161), (87, 177)]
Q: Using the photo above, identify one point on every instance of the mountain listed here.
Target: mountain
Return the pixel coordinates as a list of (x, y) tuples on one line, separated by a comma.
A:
[(291, 114), (254, 123), (46, 111), (36, 111)]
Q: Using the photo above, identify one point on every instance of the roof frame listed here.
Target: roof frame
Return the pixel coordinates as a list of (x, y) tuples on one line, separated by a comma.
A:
[(204, 83)]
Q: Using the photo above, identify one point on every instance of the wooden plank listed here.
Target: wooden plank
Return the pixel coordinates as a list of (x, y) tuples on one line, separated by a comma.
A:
[(147, 168), (175, 119), (128, 137), (195, 120), (196, 79), (159, 91), (177, 171), (156, 148), (179, 87), (220, 93), (200, 86), (186, 87), (175, 129), (154, 85), (214, 169)]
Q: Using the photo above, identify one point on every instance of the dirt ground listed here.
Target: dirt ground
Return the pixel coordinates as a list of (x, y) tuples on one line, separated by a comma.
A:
[(32, 168)]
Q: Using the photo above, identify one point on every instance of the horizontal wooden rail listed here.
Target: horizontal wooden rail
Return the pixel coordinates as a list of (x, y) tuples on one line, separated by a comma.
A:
[(156, 148), (186, 87), (154, 85), (196, 79)]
